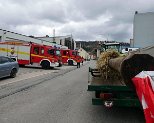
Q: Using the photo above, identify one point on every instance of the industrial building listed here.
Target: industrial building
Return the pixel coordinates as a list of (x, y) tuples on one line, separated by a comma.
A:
[(12, 36), (83, 53), (64, 42), (143, 30)]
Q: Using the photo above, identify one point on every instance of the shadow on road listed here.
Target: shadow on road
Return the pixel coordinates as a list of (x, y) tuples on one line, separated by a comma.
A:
[(38, 67), (118, 114), (4, 78)]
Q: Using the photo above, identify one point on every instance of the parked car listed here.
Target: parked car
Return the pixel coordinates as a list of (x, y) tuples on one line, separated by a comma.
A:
[(8, 67)]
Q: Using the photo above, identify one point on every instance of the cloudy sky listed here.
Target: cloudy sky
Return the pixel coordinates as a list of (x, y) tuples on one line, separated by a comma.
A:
[(84, 19)]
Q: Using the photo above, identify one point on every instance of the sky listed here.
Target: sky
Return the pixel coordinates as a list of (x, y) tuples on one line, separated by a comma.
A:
[(84, 19)]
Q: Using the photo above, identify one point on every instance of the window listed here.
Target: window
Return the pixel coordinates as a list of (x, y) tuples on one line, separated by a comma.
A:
[(12, 59), (3, 60), (77, 53), (36, 50), (58, 53), (42, 51), (74, 53), (64, 53), (126, 49), (51, 52), (60, 41)]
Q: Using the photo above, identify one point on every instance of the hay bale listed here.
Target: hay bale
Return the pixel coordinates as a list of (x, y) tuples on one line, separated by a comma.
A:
[(103, 64)]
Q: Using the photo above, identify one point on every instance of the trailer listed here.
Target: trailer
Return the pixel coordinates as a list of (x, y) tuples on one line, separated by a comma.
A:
[(110, 93), (122, 92)]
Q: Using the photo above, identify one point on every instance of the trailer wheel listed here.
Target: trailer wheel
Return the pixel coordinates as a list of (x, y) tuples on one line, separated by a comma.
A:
[(97, 94), (45, 65), (70, 62), (13, 73)]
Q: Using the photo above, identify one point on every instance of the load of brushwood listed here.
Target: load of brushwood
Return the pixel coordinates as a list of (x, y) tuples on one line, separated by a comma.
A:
[(103, 65), (112, 66)]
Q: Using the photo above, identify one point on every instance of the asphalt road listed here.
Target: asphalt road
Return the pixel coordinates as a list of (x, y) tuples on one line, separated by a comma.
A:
[(62, 99), (29, 72)]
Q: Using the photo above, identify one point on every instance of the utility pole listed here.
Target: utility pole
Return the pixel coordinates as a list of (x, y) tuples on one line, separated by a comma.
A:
[(71, 41), (54, 35)]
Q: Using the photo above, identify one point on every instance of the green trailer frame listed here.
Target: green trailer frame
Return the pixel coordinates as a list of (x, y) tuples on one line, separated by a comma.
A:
[(123, 96)]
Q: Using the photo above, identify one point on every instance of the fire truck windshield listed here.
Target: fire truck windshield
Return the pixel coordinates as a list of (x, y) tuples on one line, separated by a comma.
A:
[(58, 52), (51, 51), (75, 53)]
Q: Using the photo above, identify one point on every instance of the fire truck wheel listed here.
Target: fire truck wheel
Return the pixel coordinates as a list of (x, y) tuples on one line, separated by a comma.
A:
[(45, 65), (13, 73)]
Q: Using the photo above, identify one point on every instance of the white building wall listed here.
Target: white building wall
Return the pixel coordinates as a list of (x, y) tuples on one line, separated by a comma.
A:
[(131, 42), (143, 32), (74, 45), (98, 53), (7, 35), (55, 39), (11, 36), (83, 53), (46, 38), (147, 50)]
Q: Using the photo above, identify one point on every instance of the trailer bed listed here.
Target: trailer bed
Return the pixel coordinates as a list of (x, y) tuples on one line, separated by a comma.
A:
[(122, 95), (101, 81)]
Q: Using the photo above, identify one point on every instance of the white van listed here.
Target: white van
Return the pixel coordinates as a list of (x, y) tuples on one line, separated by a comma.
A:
[(126, 50)]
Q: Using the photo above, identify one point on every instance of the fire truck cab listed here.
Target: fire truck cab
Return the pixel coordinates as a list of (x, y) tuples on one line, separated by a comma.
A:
[(31, 53), (46, 56)]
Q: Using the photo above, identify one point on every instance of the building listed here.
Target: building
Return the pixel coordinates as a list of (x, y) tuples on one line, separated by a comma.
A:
[(143, 29), (147, 50), (131, 42), (12, 36), (64, 42), (67, 42), (83, 53)]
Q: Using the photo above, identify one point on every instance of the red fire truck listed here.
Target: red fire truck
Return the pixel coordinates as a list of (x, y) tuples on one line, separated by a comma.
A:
[(70, 56), (31, 53)]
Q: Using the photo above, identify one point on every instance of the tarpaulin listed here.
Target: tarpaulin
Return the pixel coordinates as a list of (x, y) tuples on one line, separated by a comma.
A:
[(144, 85)]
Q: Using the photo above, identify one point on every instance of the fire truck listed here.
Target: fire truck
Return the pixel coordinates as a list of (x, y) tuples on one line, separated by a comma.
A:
[(70, 56), (28, 53)]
